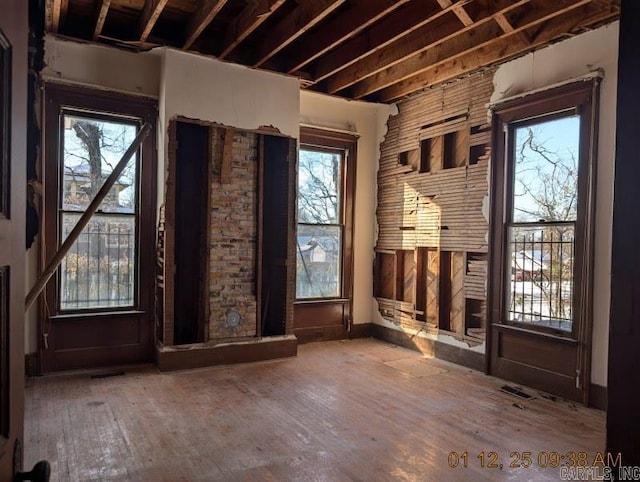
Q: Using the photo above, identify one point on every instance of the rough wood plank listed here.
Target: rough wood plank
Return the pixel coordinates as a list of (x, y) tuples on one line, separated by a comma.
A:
[(457, 292), (253, 15), (200, 19), (101, 16), (55, 13), (150, 14)]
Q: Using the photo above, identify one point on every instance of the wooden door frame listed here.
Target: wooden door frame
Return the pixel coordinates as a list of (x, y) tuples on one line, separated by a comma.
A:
[(13, 152), (582, 95), (57, 97)]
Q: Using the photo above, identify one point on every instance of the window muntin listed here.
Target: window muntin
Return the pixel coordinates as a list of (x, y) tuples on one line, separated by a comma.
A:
[(542, 222), (319, 244), (100, 269)]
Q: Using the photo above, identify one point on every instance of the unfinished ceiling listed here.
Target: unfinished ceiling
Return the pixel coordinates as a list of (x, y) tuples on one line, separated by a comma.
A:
[(379, 50)]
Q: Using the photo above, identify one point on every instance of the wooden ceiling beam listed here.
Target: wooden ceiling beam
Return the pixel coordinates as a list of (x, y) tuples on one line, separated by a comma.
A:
[(504, 24), (360, 15), (506, 47), (253, 15), (201, 18), (538, 11), (55, 12), (415, 43), (459, 10), (306, 15), (150, 13), (385, 32), (101, 16)]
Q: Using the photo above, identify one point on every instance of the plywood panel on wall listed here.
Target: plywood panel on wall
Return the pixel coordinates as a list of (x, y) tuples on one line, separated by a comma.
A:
[(432, 185)]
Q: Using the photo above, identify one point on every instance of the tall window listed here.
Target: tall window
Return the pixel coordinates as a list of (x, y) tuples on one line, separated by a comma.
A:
[(544, 155), (325, 211), (320, 223), (99, 270), (543, 210)]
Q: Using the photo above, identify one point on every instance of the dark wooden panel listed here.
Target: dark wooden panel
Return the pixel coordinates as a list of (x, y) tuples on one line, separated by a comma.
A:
[(91, 332), (321, 333), (551, 355), (623, 404), (4, 352), (5, 117), (325, 313), (190, 231), (275, 208), (408, 276)]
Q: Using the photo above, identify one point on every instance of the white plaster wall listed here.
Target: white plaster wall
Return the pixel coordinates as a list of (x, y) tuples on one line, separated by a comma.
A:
[(560, 62), (369, 122), (101, 67), (207, 89)]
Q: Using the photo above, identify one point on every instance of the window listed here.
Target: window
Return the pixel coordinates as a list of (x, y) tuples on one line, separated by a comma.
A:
[(323, 243), (99, 270), (545, 149)]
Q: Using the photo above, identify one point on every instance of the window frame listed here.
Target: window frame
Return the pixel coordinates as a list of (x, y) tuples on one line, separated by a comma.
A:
[(332, 141), (580, 97), (135, 215), (108, 106)]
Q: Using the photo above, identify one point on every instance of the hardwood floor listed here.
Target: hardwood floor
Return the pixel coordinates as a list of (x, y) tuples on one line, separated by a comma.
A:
[(350, 410)]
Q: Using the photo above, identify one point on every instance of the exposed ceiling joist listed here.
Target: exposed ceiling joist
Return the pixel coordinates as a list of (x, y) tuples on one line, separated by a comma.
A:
[(200, 19), (305, 16), (101, 16), (503, 49), (538, 11), (244, 24), (383, 33), (459, 10), (360, 16), (504, 23), (150, 13), (415, 43), (55, 12)]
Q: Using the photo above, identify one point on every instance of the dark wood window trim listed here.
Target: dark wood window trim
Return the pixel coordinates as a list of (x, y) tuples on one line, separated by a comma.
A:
[(310, 311), (63, 97), (577, 97), (5, 119)]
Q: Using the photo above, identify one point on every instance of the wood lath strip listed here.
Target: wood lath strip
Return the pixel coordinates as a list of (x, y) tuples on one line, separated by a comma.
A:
[(101, 16), (360, 16), (413, 44), (150, 14), (201, 18), (501, 49), (253, 15), (304, 17)]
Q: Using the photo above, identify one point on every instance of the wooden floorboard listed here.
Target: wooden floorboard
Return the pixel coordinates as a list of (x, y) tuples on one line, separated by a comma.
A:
[(345, 410)]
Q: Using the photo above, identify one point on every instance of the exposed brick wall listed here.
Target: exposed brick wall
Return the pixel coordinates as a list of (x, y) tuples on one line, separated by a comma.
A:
[(232, 236)]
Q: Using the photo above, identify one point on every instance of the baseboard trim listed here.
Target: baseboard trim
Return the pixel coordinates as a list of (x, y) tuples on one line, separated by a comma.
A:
[(598, 397), (437, 349), (205, 355)]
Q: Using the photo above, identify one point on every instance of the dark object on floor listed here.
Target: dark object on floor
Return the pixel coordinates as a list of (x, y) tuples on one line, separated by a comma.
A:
[(514, 391), (107, 375)]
